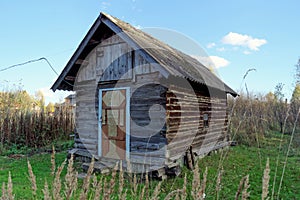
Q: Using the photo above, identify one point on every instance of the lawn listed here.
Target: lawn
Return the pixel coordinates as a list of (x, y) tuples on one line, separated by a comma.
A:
[(19, 172), (236, 162)]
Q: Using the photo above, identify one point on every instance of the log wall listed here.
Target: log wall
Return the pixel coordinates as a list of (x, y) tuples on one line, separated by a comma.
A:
[(185, 123)]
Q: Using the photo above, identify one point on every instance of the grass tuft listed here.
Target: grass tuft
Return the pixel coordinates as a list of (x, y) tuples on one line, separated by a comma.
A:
[(265, 181), (32, 179)]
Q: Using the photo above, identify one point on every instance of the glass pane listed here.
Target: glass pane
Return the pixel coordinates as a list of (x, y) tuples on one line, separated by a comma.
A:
[(121, 120), (112, 119), (113, 98), (103, 117)]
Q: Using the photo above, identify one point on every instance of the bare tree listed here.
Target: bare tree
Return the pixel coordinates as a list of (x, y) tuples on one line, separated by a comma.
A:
[(280, 106)]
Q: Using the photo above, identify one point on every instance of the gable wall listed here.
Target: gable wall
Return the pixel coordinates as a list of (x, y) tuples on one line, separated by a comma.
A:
[(110, 65)]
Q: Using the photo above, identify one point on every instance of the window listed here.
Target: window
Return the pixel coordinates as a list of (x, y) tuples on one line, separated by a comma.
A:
[(205, 120)]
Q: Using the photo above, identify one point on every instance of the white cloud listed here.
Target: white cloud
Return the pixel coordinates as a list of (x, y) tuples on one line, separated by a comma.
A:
[(47, 92), (54, 97), (246, 52), (104, 5), (219, 62), (237, 39), (212, 61), (221, 49), (138, 26), (211, 45)]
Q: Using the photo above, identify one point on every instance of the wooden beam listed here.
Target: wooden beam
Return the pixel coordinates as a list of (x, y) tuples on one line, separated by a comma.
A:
[(82, 62)]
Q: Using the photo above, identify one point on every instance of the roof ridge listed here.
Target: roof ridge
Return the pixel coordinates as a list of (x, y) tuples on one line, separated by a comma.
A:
[(174, 61)]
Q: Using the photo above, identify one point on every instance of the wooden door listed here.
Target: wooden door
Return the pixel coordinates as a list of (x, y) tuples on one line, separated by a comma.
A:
[(113, 123)]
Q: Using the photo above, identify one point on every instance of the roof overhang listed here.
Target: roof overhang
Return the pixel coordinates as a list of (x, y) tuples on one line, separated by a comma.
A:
[(137, 40)]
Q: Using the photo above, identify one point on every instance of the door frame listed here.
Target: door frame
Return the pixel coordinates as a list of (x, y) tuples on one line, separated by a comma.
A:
[(127, 121)]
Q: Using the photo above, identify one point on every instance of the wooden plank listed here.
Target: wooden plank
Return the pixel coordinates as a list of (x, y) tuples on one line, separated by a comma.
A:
[(91, 140), (86, 146), (147, 160)]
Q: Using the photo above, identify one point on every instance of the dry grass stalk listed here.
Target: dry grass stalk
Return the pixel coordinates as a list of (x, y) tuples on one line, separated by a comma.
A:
[(184, 192), (108, 188), (134, 185), (70, 179), (147, 186), (243, 188), (32, 179), (57, 182), (53, 161), (218, 183), (142, 193), (10, 188), (196, 181), (121, 181), (46, 191), (239, 191), (4, 195), (86, 181), (172, 194), (287, 153), (198, 191), (94, 182), (177, 196), (245, 193), (105, 189), (98, 187), (278, 155), (204, 181), (123, 197), (265, 181), (112, 181), (156, 191), (132, 178)]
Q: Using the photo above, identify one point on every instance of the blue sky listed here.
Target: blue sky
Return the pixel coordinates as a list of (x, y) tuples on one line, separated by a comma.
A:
[(238, 35)]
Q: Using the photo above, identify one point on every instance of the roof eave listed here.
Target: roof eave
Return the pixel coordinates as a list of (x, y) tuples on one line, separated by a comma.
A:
[(76, 55)]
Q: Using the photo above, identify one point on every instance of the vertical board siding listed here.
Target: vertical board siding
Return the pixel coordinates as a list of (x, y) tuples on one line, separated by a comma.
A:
[(113, 60)]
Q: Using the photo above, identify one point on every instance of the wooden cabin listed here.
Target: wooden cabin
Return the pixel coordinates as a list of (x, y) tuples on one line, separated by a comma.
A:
[(140, 100)]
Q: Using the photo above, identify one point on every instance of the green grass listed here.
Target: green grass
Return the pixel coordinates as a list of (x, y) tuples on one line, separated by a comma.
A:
[(245, 160), (19, 172), (239, 161), (60, 145)]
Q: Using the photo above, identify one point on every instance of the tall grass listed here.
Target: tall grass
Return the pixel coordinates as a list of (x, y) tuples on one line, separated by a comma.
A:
[(116, 186), (25, 121), (35, 129)]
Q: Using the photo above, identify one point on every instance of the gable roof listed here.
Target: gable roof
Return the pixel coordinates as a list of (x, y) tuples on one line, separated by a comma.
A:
[(173, 61)]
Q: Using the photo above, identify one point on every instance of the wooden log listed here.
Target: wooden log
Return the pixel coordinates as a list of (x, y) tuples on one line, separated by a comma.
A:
[(190, 158)]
